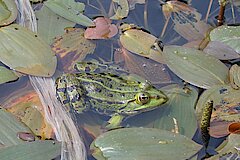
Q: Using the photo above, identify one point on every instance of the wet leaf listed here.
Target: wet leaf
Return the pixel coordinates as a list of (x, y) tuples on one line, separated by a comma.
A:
[(141, 43), (72, 47), (47, 27), (225, 103), (142, 143), (17, 53), (103, 30), (174, 117), (228, 35), (7, 75), (37, 150), (221, 51), (186, 19), (70, 10), (8, 12), (195, 67), (122, 10), (9, 127), (229, 149)]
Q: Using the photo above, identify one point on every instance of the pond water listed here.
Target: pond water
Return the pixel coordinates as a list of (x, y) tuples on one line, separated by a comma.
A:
[(90, 124)]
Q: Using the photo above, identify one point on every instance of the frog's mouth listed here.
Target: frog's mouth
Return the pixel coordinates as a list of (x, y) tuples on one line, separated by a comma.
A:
[(136, 108)]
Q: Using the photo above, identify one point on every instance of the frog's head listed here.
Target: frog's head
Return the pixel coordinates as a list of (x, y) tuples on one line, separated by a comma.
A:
[(145, 101)]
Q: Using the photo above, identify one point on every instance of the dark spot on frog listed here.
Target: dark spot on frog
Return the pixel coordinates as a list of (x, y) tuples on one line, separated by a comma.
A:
[(223, 91), (98, 90), (35, 35), (16, 28), (110, 95)]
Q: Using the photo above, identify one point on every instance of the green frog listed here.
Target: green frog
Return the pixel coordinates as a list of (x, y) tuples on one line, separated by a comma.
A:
[(100, 88)]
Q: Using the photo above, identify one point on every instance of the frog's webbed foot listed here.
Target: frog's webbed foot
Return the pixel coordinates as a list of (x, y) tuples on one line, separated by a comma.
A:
[(114, 122)]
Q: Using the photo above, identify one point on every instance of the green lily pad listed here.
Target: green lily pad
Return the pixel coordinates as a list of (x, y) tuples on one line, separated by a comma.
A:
[(25, 52), (174, 117), (37, 150), (47, 27), (9, 128), (141, 43), (195, 67), (8, 12), (7, 75), (70, 10), (141, 144), (229, 35)]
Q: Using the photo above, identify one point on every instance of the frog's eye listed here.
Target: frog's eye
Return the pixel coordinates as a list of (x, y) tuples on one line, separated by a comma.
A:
[(142, 98)]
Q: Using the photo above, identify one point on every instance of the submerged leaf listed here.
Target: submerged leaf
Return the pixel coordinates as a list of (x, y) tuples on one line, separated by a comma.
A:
[(229, 149), (174, 117), (221, 51), (132, 3), (8, 12), (195, 67), (150, 70), (142, 143), (47, 27), (7, 75), (37, 150), (24, 51), (70, 10), (228, 35), (72, 47)]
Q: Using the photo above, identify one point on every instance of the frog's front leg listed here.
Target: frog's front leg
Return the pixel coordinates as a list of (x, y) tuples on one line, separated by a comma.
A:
[(114, 122)]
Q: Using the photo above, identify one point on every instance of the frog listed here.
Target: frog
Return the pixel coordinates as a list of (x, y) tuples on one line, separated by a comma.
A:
[(107, 90)]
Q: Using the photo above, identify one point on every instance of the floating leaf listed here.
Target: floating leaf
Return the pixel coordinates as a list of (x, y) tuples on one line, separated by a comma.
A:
[(70, 10), (26, 105), (228, 35), (8, 12), (37, 150), (72, 47), (195, 67), (174, 117), (25, 52), (225, 103), (47, 27), (122, 10), (7, 75), (103, 30), (9, 127), (142, 143), (234, 76), (141, 43), (229, 149), (221, 51)]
